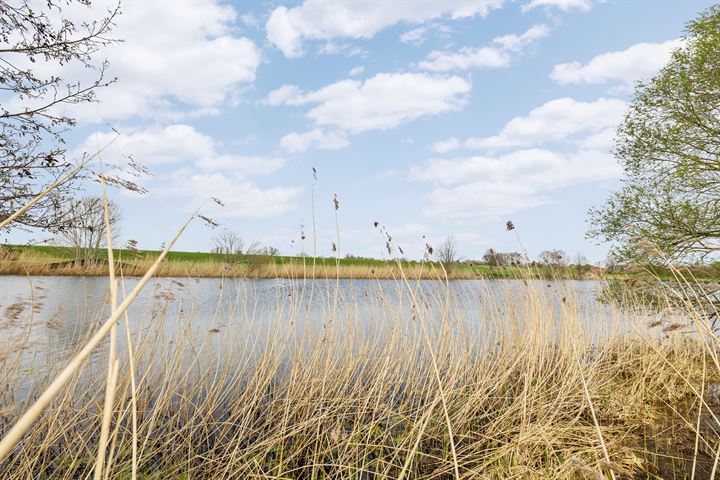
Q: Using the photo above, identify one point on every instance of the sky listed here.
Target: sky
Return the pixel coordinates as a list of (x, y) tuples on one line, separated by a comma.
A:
[(431, 118)]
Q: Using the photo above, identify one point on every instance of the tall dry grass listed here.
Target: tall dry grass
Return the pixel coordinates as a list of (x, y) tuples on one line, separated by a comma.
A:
[(346, 389), (535, 386), (34, 265)]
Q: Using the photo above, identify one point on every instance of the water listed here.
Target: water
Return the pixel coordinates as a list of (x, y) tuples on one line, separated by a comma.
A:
[(45, 319)]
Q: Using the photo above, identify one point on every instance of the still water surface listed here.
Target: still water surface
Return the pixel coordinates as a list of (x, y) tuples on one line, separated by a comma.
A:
[(49, 316)]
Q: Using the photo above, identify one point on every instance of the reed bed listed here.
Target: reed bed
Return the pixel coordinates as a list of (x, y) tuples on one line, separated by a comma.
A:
[(324, 383), (209, 269), (297, 268)]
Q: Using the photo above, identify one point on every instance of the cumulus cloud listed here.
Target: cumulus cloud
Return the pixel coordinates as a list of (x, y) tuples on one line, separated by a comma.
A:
[(287, 28), (346, 49), (286, 95), (191, 66), (156, 64), (316, 138), (488, 187), (637, 62), (416, 36), (242, 198), (151, 146), (465, 58), (378, 103), (555, 121), (191, 168), (563, 5), (447, 145), (355, 71), (499, 54), (561, 143)]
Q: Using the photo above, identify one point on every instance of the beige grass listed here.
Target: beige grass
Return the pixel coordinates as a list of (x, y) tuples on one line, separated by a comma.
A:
[(38, 266), (334, 397)]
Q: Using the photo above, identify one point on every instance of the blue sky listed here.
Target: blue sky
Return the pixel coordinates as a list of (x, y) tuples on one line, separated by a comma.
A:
[(433, 118)]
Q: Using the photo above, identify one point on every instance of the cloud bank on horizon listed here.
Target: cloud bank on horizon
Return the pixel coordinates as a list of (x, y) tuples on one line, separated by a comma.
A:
[(440, 117)]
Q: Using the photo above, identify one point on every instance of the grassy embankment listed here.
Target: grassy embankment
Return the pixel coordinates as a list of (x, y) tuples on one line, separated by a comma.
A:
[(48, 260)]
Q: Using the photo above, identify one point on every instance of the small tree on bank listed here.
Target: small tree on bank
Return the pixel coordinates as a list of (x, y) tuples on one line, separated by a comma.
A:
[(228, 243), (447, 253), (553, 258), (493, 258), (84, 229), (231, 245), (581, 264), (269, 251)]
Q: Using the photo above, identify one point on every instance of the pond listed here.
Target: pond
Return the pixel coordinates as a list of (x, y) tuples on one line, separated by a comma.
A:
[(45, 319)]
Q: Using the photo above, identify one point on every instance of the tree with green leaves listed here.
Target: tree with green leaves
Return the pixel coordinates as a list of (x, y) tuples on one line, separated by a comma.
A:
[(669, 148)]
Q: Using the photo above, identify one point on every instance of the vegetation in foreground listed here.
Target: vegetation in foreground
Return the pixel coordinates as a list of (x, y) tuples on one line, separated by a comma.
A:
[(420, 392)]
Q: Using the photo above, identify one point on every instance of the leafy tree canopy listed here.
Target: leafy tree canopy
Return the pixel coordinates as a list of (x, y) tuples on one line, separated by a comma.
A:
[(669, 148)]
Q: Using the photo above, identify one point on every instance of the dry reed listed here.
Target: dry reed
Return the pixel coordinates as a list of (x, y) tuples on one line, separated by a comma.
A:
[(325, 391)]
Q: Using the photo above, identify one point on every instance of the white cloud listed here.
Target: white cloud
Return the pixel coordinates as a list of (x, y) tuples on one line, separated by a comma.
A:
[(192, 170), (465, 58), (316, 138), (556, 120), (447, 145), (519, 170), (540, 167), (482, 201), (195, 58), (564, 5), (250, 20), (175, 144), (416, 36), (287, 28), (152, 146), (488, 187), (346, 49), (637, 62), (602, 140), (380, 102), (355, 71), (514, 42), (193, 65), (499, 55), (241, 197), (285, 95)]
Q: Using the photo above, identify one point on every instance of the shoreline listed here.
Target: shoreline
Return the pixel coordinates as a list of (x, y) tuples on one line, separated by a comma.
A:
[(54, 261), (61, 261), (292, 270)]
